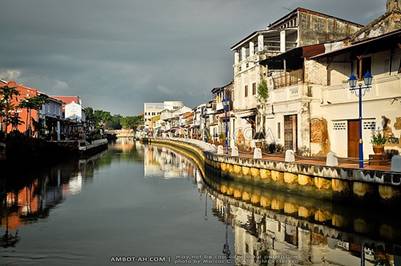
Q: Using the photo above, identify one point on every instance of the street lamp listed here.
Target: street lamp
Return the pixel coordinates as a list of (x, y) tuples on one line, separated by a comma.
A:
[(226, 105), (226, 246), (359, 89)]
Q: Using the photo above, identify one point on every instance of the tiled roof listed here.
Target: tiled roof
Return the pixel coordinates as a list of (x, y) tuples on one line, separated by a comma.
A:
[(68, 99)]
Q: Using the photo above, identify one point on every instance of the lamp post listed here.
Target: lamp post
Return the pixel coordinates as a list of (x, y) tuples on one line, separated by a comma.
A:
[(226, 105), (360, 89), (226, 246)]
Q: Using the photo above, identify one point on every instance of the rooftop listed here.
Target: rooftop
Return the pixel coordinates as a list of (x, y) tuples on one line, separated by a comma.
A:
[(271, 26)]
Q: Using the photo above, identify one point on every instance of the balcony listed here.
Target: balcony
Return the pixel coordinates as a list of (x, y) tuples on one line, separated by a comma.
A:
[(219, 106), (285, 79)]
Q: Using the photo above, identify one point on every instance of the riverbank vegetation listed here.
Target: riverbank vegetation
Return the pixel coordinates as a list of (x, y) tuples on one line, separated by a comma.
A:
[(104, 119)]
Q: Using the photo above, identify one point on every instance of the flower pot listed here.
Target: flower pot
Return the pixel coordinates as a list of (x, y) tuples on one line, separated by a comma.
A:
[(378, 149)]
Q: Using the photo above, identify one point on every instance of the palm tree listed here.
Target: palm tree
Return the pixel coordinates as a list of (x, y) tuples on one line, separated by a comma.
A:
[(6, 107), (15, 121), (32, 103)]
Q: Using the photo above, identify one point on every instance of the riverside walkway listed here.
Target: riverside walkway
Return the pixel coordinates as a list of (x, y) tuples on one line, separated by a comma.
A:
[(347, 163), (303, 175)]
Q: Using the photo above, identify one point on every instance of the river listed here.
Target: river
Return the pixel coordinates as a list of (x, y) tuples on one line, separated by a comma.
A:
[(150, 205)]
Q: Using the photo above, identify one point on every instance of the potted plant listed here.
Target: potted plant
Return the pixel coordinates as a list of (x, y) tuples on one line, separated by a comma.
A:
[(378, 141)]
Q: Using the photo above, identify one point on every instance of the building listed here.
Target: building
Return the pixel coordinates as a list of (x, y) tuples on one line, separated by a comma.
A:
[(72, 107), (156, 109), (375, 49), (220, 119), (150, 110), (310, 108), (29, 118), (74, 117), (301, 27), (51, 116), (198, 126), (285, 116)]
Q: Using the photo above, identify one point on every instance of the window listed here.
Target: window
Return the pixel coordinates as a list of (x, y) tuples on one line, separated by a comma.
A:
[(364, 64), (279, 130), (254, 88), (246, 90)]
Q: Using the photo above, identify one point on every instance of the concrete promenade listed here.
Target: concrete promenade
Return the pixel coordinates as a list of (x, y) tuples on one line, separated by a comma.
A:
[(304, 176)]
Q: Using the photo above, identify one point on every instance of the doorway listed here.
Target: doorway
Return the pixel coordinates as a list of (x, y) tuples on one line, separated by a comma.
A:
[(290, 132), (353, 138)]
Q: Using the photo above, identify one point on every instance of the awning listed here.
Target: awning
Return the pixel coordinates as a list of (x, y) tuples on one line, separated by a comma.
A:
[(294, 57), (247, 113)]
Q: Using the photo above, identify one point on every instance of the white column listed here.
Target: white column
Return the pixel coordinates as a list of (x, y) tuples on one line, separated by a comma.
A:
[(243, 53), (282, 41), (251, 48), (58, 131), (260, 43), (236, 57)]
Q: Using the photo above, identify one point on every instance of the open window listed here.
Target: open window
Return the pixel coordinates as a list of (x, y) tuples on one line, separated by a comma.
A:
[(364, 64)]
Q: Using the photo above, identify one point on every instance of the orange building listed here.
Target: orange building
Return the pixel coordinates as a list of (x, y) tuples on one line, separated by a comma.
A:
[(24, 203), (26, 116)]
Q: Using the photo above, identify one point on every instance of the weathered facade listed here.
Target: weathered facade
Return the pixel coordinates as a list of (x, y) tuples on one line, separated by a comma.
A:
[(386, 23), (375, 49), (299, 28), (381, 104)]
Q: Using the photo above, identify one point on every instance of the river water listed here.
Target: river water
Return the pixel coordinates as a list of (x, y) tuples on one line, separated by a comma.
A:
[(149, 205)]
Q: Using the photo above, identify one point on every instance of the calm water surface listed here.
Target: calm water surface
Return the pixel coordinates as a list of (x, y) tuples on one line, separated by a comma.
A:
[(140, 201)]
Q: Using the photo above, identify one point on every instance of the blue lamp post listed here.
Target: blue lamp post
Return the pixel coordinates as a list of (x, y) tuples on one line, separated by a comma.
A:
[(359, 89), (226, 105)]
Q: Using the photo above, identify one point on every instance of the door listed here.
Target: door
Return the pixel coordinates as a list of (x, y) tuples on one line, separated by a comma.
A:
[(290, 132), (353, 138)]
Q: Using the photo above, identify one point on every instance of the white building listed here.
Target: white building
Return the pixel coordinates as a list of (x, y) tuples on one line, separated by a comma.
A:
[(164, 109), (373, 49), (150, 110), (73, 111), (299, 28), (310, 107)]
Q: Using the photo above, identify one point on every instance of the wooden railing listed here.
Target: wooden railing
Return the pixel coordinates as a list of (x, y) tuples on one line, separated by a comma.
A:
[(285, 79)]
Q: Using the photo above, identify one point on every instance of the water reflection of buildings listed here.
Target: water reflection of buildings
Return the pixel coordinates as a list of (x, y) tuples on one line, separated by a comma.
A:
[(277, 228), (163, 162), (31, 198), (272, 234)]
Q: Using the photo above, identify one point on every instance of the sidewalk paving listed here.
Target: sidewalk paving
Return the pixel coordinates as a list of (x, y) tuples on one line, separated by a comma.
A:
[(318, 162), (280, 157)]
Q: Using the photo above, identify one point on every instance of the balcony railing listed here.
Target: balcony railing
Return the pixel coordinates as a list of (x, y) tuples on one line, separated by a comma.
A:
[(285, 79)]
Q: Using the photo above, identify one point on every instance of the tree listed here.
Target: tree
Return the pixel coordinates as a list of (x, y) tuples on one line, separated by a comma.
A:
[(114, 122), (32, 103), (131, 122), (263, 95), (15, 121), (101, 117), (89, 116), (6, 107)]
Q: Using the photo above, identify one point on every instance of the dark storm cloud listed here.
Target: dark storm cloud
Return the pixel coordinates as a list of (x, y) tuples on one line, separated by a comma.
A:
[(118, 54)]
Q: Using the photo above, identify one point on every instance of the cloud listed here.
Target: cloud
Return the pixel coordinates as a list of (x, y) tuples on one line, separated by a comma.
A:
[(60, 85), (10, 74)]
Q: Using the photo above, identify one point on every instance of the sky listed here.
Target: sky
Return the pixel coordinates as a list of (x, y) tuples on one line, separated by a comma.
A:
[(118, 54)]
